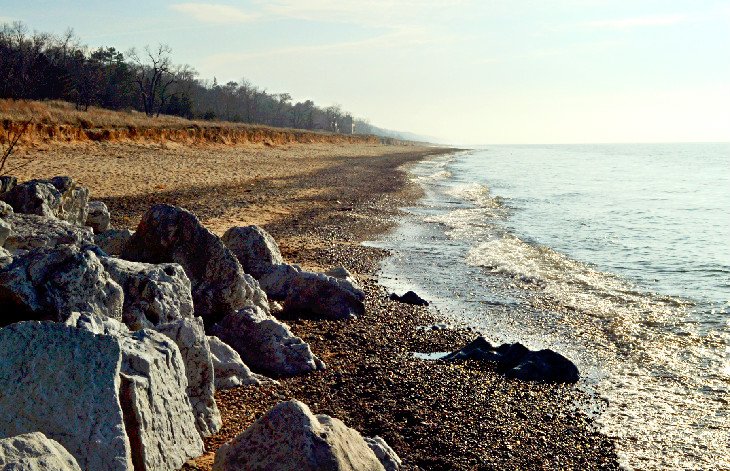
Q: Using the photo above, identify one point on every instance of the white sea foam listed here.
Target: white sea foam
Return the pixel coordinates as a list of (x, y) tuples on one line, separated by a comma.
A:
[(661, 362)]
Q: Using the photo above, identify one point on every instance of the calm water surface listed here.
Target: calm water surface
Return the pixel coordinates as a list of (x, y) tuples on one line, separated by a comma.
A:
[(615, 255)]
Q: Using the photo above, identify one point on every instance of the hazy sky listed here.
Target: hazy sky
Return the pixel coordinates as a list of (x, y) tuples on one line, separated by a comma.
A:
[(500, 71)]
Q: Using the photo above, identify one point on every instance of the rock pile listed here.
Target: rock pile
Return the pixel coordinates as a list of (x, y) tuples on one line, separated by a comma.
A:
[(113, 342), (330, 295)]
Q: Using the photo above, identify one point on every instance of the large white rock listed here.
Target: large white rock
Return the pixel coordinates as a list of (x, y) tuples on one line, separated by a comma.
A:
[(168, 234), (98, 218), (290, 437), (190, 338), (230, 370), (153, 294), (265, 344), (29, 231), (158, 416), (50, 284), (35, 452), (59, 197), (64, 382), (254, 248)]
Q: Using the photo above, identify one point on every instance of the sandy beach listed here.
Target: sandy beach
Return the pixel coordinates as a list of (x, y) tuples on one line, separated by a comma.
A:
[(320, 201)]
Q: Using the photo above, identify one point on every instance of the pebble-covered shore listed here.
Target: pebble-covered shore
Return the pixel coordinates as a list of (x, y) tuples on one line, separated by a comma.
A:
[(436, 415)]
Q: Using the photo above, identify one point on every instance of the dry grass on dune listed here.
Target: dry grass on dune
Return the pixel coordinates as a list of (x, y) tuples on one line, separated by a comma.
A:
[(60, 121), (61, 112)]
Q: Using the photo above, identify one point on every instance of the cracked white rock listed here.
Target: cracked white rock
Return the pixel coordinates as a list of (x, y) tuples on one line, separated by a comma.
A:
[(387, 456), (190, 338), (50, 284), (59, 197), (254, 248), (64, 382), (29, 231), (158, 416), (153, 294), (113, 241)]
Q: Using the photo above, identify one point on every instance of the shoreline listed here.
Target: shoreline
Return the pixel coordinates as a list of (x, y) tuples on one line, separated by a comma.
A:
[(320, 202), (435, 415)]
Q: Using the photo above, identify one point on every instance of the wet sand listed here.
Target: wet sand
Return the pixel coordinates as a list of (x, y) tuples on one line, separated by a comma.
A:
[(319, 202)]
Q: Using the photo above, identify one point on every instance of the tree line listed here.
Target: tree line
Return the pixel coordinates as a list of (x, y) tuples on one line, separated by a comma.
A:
[(43, 66)]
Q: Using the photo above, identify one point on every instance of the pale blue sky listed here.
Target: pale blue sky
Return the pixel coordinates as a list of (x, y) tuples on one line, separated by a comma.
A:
[(500, 71)]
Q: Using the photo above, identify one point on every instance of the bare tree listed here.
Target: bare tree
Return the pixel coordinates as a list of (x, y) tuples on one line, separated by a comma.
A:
[(154, 77), (12, 140)]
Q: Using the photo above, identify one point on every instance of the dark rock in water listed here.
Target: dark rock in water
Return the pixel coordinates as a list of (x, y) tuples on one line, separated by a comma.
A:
[(409, 298), (545, 365), (518, 362)]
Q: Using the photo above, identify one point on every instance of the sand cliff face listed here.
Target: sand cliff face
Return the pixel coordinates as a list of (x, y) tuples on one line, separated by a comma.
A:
[(49, 122)]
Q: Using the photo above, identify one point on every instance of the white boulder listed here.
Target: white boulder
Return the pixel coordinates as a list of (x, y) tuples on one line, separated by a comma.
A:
[(323, 296), (158, 416), (169, 234), (290, 437), (59, 197), (387, 456), (50, 284), (65, 382), (113, 241), (35, 452), (4, 231), (153, 294), (6, 258), (254, 248)]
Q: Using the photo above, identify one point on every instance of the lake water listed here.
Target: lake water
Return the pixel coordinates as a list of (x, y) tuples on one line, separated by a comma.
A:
[(616, 256)]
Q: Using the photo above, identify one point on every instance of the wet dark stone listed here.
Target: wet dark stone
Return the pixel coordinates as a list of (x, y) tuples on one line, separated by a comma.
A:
[(409, 298), (518, 362)]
